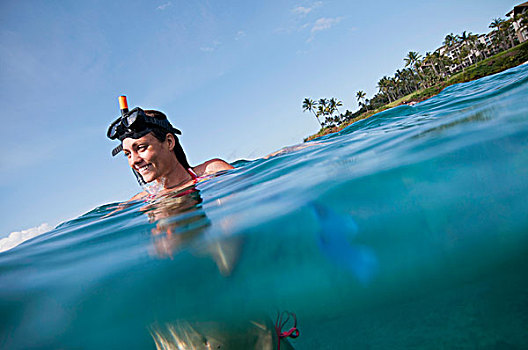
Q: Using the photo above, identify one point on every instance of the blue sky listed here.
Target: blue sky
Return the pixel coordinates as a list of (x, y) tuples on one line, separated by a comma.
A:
[(230, 74)]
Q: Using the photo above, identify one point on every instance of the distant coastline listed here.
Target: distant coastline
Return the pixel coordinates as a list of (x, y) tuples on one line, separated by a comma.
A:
[(513, 57), (461, 58)]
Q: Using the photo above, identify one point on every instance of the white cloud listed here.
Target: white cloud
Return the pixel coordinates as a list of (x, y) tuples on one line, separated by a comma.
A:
[(325, 23), (15, 238), (303, 11), (164, 6), (212, 47), (300, 10), (240, 35)]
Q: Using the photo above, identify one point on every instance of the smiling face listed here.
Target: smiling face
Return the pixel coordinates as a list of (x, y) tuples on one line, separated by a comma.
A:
[(152, 159)]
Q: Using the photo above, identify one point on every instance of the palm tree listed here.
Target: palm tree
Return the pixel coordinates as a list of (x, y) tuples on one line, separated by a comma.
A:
[(481, 47), (466, 41), (393, 88), (323, 110), (309, 105), (447, 62), (412, 58), (450, 39), (323, 106), (407, 78), (473, 42), (437, 59), (464, 53), (382, 86), (464, 37), (506, 27), (496, 23), (498, 39), (430, 60), (333, 105), (385, 86), (360, 95), (367, 103)]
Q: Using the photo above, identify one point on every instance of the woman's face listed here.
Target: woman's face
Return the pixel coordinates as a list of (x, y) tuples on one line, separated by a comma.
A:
[(151, 158)]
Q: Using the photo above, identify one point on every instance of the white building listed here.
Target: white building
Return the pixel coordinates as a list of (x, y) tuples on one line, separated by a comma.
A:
[(488, 47), (487, 41), (520, 30), (454, 52)]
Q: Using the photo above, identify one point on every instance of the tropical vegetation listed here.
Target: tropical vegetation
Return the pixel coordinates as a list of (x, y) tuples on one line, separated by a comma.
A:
[(325, 108), (462, 58)]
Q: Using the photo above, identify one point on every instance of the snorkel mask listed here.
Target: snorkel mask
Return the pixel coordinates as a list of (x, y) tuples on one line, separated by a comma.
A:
[(135, 124)]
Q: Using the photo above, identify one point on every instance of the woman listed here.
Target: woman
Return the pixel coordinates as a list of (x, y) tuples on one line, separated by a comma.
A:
[(154, 153), (149, 142)]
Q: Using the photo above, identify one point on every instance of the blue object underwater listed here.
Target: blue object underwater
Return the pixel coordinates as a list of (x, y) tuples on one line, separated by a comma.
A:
[(333, 241)]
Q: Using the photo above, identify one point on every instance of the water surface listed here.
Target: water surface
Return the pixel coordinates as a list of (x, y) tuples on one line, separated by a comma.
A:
[(405, 230)]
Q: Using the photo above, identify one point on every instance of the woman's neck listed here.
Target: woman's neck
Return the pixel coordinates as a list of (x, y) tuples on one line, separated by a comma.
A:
[(177, 178)]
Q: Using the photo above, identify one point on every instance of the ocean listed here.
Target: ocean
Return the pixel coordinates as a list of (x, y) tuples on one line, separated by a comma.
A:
[(407, 230)]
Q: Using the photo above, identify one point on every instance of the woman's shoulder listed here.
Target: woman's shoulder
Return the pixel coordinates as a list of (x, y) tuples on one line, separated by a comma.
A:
[(212, 166)]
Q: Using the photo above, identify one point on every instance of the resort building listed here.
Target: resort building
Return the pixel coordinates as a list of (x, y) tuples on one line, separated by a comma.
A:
[(474, 48), (461, 54), (488, 48), (520, 30)]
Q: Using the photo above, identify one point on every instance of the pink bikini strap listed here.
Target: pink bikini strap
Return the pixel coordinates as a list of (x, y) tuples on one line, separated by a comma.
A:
[(192, 173)]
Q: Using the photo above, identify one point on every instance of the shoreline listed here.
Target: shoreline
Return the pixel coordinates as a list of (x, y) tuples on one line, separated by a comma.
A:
[(491, 65)]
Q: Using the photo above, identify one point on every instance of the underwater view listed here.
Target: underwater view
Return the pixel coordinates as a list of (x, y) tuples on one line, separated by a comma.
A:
[(405, 230)]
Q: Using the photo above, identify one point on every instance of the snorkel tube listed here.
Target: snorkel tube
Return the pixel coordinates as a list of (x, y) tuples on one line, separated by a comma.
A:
[(123, 105)]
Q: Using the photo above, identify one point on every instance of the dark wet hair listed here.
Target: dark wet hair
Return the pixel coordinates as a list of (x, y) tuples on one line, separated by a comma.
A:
[(161, 135)]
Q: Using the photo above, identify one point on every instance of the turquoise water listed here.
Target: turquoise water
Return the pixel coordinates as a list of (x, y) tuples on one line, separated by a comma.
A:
[(406, 230)]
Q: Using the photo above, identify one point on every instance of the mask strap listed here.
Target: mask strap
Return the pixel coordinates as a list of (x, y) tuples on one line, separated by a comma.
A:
[(139, 178)]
